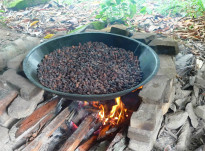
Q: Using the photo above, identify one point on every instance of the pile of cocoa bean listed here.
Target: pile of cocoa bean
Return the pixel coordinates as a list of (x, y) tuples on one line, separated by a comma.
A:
[(90, 68)]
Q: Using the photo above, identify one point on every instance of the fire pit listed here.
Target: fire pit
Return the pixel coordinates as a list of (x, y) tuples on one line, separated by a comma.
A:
[(149, 61)]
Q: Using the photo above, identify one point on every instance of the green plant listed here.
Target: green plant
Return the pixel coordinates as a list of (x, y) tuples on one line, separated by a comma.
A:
[(117, 11), (195, 8), (2, 18), (191, 8), (2, 11)]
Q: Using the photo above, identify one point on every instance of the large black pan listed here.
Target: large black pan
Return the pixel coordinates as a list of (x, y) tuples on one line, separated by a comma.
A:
[(149, 61)]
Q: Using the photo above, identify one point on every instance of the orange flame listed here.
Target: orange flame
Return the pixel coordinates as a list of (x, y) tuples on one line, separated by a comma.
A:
[(138, 88), (116, 115)]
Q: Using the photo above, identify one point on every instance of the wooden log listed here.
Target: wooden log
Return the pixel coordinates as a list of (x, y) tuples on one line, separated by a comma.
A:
[(88, 144), (36, 144), (118, 143), (65, 130), (36, 116), (102, 146), (32, 132), (38, 128), (74, 140), (103, 131)]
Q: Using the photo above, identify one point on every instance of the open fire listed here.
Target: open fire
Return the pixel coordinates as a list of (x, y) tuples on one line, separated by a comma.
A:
[(117, 114), (84, 126)]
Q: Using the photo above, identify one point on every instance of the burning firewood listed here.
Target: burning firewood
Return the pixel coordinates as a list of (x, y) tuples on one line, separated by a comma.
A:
[(88, 144), (103, 131), (74, 140)]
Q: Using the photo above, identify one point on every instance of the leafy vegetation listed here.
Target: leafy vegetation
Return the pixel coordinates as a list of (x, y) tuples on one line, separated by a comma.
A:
[(117, 11), (22, 4), (191, 8), (122, 10), (1, 16)]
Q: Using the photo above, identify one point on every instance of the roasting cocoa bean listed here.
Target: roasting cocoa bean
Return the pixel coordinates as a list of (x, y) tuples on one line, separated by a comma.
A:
[(90, 68)]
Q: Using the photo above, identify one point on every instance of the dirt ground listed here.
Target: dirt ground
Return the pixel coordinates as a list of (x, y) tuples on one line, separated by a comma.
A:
[(7, 36)]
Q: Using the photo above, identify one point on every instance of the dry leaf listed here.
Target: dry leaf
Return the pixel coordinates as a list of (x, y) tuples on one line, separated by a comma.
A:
[(33, 23), (48, 36)]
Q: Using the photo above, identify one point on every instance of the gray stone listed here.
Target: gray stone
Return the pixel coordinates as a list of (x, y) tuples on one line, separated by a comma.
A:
[(5, 147), (196, 91), (16, 62), (163, 143), (193, 100), (92, 30), (6, 120), (165, 46), (199, 81), (192, 116), (21, 108), (9, 48), (147, 146), (200, 111), (182, 94), (3, 60), (140, 146), (176, 120), (145, 117), (143, 37), (168, 91), (201, 148), (192, 80), (21, 45), (182, 47), (173, 107), (154, 91), (17, 141), (139, 135), (4, 135), (167, 66), (27, 89), (181, 103), (12, 132), (143, 135), (166, 106), (31, 42), (184, 138), (3, 83), (183, 63), (120, 30)]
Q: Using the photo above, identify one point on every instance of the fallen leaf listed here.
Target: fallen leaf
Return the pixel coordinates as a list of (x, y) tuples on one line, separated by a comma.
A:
[(48, 36), (33, 23)]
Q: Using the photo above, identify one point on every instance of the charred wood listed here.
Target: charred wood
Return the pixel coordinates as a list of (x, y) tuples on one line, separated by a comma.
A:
[(74, 140), (47, 131), (36, 116)]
